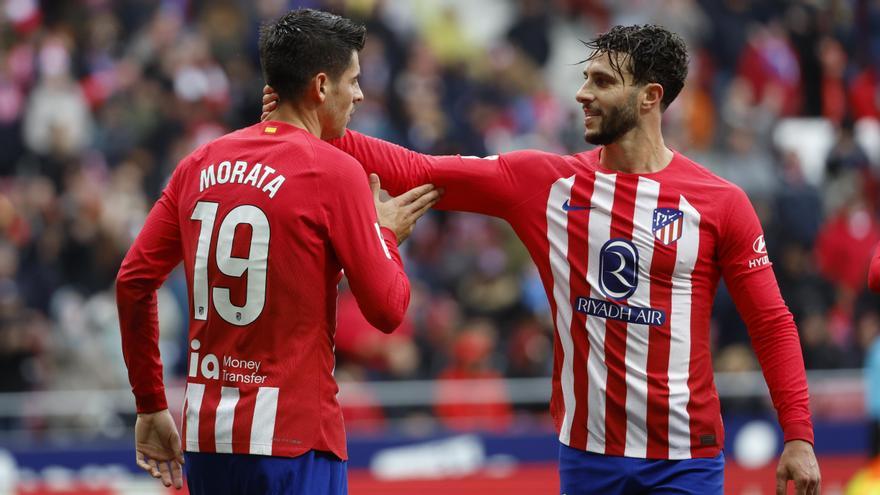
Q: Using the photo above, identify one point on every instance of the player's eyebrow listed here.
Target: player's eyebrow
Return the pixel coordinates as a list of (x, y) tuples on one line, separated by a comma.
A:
[(599, 72)]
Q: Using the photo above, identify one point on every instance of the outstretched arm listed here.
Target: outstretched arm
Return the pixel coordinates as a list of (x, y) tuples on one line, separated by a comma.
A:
[(491, 185)]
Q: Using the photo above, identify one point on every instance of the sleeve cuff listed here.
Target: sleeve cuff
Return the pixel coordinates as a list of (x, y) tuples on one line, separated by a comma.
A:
[(151, 403), (390, 236), (798, 431)]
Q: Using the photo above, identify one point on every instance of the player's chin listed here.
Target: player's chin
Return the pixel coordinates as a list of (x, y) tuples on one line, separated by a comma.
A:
[(595, 138)]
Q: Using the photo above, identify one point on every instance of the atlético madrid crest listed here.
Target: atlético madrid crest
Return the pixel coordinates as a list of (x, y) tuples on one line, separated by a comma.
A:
[(667, 224)]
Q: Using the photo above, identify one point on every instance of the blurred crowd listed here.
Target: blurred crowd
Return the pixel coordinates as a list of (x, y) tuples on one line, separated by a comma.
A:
[(100, 99)]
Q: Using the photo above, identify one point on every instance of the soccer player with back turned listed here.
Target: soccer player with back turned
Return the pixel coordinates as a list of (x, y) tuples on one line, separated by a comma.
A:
[(631, 240), (264, 220)]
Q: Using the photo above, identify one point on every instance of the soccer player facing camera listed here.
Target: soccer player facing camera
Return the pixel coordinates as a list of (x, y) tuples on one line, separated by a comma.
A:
[(631, 239), (264, 220)]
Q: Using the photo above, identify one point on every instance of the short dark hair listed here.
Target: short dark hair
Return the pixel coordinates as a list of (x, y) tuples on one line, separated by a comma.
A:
[(652, 53), (304, 42)]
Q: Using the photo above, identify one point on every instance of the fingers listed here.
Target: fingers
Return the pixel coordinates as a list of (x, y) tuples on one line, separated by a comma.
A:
[(176, 475), (421, 211), (428, 199), (780, 487), (270, 102), (781, 483), (165, 473), (154, 468), (141, 462), (414, 193), (807, 485), (375, 186)]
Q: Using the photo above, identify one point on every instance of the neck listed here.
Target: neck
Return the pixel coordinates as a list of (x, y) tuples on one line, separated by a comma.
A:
[(639, 151), (299, 117)]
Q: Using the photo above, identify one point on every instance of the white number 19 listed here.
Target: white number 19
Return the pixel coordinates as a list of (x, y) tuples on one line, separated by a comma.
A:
[(255, 264)]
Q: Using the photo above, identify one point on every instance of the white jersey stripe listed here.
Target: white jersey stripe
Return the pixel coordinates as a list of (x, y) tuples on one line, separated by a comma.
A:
[(637, 335), (225, 419), (602, 202), (680, 330), (263, 427), (194, 394), (557, 234), (382, 240)]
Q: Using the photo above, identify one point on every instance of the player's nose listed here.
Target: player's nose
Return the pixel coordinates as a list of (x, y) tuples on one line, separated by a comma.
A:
[(584, 96)]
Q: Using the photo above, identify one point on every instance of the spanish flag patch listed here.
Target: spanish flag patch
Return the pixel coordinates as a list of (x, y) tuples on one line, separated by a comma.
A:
[(270, 130)]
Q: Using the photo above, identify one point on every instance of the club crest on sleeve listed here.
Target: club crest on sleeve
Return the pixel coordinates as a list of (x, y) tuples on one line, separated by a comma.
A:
[(667, 224)]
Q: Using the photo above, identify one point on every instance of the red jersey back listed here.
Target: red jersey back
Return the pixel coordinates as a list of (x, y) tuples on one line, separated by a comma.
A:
[(264, 220)]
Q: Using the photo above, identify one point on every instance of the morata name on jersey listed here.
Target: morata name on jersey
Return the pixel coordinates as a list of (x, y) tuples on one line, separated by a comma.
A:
[(256, 175)]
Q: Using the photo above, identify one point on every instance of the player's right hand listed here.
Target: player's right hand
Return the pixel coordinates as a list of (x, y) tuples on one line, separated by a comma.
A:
[(270, 102), (157, 447), (401, 212)]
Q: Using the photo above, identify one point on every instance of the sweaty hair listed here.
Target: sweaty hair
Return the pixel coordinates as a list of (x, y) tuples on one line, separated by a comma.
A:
[(652, 53), (304, 42)]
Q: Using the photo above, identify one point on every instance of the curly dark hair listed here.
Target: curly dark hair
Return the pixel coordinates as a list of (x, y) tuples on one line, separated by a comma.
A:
[(652, 53), (304, 42)]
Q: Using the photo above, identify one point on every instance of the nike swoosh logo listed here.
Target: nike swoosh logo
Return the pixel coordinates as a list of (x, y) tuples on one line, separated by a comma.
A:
[(568, 207)]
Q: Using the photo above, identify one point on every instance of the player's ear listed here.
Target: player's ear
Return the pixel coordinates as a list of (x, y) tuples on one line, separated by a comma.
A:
[(652, 95), (319, 87)]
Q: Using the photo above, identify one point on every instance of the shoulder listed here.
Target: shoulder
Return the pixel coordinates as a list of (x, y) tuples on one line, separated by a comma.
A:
[(708, 184), (334, 168), (331, 160)]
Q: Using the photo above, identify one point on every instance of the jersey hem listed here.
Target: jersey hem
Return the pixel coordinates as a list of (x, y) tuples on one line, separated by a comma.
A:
[(275, 449)]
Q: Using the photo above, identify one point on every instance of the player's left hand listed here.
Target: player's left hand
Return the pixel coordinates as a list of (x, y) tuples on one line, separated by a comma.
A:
[(270, 101), (798, 463)]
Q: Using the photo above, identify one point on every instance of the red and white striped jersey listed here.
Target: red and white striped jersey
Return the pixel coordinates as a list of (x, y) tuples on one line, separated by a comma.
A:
[(630, 264), (264, 219)]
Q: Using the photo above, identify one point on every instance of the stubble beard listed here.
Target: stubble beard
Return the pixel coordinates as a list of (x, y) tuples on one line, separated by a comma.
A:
[(615, 124)]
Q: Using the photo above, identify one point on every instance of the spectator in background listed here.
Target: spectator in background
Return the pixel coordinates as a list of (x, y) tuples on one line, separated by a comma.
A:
[(850, 234), (473, 406), (797, 204), (530, 32), (874, 271)]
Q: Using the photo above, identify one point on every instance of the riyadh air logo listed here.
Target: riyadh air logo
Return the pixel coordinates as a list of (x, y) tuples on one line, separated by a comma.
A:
[(618, 278), (667, 224), (569, 207), (759, 246), (618, 269)]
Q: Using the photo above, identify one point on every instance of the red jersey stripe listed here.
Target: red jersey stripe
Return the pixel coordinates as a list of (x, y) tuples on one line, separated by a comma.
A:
[(615, 330), (578, 222)]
